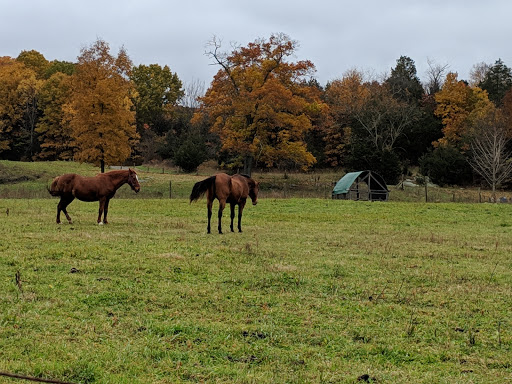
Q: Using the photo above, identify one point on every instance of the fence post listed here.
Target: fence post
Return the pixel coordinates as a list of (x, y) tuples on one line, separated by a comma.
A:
[(170, 189)]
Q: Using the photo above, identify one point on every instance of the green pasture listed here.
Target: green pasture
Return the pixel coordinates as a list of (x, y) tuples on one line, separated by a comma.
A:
[(313, 291)]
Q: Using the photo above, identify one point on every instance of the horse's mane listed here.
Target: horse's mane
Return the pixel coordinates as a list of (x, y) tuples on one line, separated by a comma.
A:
[(113, 172), (250, 180)]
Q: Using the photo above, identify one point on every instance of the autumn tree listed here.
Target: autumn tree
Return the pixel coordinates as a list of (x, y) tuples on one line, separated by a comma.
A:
[(53, 129), (29, 90), (345, 97), (368, 121), (35, 61), (370, 108), (100, 109), (18, 109), (259, 103), (458, 105)]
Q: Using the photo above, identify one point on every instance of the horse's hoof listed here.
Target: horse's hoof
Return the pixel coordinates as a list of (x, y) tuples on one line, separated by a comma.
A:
[(100, 223)]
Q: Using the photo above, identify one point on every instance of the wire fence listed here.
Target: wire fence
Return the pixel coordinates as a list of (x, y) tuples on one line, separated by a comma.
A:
[(166, 183)]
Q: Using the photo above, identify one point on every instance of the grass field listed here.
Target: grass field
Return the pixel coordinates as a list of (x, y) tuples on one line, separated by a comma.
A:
[(313, 291), (29, 180)]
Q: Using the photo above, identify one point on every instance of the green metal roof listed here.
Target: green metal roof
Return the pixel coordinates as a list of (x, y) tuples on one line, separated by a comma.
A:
[(343, 185), (369, 177)]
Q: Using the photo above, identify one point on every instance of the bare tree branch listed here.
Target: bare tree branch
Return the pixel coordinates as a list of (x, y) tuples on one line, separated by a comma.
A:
[(435, 75), (193, 91), (220, 58), (491, 159)]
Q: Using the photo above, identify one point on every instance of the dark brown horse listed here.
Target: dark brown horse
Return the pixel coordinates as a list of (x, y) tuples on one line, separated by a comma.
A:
[(101, 187), (227, 189)]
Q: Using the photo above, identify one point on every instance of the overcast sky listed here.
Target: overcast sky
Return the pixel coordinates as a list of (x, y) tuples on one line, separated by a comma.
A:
[(335, 35)]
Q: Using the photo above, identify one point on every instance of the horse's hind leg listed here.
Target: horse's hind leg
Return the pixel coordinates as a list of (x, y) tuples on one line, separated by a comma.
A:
[(240, 210), (100, 211), (209, 206), (222, 204), (63, 203), (232, 216)]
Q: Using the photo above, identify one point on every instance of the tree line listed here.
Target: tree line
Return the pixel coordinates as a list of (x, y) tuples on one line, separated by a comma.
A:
[(262, 109)]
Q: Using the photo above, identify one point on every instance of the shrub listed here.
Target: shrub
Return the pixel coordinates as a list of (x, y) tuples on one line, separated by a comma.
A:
[(446, 165), (190, 155)]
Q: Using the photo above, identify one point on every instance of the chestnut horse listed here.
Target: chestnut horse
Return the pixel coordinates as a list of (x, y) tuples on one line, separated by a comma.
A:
[(101, 187), (227, 189)]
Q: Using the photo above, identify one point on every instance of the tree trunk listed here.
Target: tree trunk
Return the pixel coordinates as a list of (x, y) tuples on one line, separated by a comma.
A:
[(248, 164)]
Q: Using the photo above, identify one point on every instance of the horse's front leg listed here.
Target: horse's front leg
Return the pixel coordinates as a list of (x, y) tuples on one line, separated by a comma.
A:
[(232, 216), (59, 208), (63, 203), (105, 211), (240, 210), (222, 204), (100, 212)]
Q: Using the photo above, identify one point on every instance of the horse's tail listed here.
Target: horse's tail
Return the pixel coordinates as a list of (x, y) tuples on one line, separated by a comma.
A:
[(52, 189), (201, 187)]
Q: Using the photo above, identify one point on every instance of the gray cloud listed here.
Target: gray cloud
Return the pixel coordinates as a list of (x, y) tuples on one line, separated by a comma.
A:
[(334, 35)]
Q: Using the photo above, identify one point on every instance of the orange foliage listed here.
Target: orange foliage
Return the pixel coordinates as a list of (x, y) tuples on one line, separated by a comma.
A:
[(260, 105)]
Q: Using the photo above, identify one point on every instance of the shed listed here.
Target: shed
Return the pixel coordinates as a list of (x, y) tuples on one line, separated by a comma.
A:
[(361, 185)]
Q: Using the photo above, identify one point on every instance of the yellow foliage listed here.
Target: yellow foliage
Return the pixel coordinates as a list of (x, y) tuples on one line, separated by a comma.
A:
[(18, 88), (100, 110), (458, 106)]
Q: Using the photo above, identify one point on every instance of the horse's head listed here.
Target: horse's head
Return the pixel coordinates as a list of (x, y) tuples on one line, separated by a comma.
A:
[(254, 188), (133, 180)]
